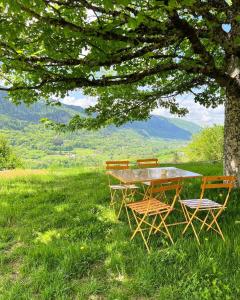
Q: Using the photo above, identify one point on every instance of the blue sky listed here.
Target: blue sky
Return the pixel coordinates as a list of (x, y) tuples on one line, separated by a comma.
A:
[(197, 113)]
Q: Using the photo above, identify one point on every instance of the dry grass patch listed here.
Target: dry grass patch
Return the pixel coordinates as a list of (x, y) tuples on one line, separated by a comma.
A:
[(21, 173)]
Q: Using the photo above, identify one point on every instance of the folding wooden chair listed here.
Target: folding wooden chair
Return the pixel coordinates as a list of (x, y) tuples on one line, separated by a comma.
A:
[(120, 192), (145, 212), (147, 163), (192, 207)]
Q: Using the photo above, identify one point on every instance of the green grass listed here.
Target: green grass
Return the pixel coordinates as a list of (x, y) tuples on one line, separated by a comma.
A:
[(60, 240)]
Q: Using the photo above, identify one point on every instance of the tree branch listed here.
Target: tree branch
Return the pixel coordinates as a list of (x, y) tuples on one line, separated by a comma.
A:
[(191, 34)]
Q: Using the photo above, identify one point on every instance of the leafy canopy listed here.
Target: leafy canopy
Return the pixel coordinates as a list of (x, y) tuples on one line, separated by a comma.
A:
[(133, 55)]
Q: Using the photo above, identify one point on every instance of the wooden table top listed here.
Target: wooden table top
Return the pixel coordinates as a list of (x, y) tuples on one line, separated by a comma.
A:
[(148, 174)]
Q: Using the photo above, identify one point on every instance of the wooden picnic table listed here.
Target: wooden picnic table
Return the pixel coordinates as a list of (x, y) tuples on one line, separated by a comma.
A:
[(129, 176)]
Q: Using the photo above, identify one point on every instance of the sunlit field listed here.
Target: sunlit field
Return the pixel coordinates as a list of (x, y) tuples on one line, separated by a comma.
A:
[(6, 174), (60, 240)]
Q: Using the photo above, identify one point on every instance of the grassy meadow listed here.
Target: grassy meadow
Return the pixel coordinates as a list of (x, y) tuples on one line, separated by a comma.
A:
[(60, 240)]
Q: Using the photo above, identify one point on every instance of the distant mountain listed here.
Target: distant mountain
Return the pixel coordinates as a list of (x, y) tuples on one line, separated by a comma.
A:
[(187, 125), (161, 127), (17, 117), (36, 111)]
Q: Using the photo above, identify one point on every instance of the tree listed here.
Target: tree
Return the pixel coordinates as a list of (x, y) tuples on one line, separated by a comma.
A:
[(8, 160), (206, 145), (58, 142), (134, 55)]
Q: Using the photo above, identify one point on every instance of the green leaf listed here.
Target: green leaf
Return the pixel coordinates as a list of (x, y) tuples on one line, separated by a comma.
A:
[(237, 41), (108, 4), (148, 54), (173, 4), (123, 2), (135, 22), (188, 2)]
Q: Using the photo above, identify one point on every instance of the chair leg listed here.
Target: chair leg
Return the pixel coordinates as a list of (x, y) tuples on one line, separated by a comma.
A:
[(214, 221), (139, 223), (145, 192), (158, 227), (188, 217), (127, 194), (112, 194), (183, 210), (132, 194), (165, 226), (122, 203), (190, 222), (139, 229), (151, 229), (203, 223), (214, 218), (163, 197), (128, 217)]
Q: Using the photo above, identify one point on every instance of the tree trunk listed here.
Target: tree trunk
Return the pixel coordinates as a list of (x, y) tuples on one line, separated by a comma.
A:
[(232, 136)]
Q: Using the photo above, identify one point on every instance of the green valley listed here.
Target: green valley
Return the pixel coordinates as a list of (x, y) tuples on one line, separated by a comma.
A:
[(40, 147)]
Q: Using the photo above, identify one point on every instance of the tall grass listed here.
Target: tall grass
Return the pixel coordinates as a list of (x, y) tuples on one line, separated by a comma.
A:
[(60, 240)]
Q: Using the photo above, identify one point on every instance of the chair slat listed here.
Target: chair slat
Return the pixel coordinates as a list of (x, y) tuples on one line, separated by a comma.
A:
[(148, 162), (219, 178), (217, 185), (148, 165), (147, 159), (166, 188), (117, 164), (120, 167), (165, 180)]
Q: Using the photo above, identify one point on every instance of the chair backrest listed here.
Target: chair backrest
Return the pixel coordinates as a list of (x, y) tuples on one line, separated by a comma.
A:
[(147, 162), (161, 186), (218, 182), (117, 165)]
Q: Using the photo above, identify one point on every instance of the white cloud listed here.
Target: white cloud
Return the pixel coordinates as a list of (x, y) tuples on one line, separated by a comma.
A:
[(197, 113), (91, 16), (78, 99)]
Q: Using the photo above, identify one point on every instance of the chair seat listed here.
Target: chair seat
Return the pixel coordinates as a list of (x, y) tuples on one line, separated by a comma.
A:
[(131, 186), (117, 187), (123, 187), (151, 206), (205, 203), (147, 183)]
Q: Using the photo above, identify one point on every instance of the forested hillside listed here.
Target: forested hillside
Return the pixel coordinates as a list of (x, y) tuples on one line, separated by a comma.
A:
[(41, 147), (15, 117)]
